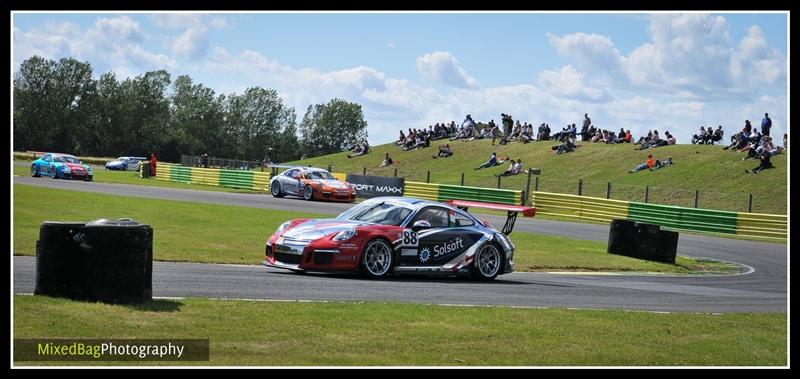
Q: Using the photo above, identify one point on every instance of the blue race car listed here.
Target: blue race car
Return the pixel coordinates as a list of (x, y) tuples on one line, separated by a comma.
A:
[(125, 163), (62, 166)]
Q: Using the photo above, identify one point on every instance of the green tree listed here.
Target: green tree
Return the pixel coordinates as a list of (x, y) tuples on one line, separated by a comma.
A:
[(51, 103), (332, 127), (196, 118), (254, 122)]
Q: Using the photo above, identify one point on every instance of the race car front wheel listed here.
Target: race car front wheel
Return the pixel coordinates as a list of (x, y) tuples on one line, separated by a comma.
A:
[(275, 188), (308, 192), (376, 259), (35, 171), (487, 264)]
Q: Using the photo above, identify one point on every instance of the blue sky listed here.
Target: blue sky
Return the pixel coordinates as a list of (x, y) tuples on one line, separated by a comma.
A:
[(633, 70)]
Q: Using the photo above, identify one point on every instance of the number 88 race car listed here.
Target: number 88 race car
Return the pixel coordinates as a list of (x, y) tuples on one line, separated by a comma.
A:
[(395, 235)]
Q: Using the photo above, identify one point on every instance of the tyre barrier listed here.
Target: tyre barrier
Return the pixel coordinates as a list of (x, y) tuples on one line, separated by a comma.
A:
[(103, 260), (643, 241)]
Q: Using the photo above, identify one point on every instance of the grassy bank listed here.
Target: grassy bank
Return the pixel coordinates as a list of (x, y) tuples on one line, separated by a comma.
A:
[(718, 174)]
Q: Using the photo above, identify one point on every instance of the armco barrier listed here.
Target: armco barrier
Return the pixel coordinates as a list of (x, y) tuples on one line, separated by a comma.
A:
[(426, 191), (679, 218), (761, 225), (581, 207), (254, 180)]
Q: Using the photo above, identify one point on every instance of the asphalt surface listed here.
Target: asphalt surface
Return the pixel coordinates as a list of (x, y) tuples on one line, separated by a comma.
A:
[(762, 290)]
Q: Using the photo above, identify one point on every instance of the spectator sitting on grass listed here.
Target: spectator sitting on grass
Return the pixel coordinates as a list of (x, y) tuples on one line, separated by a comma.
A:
[(785, 141), (698, 138), (662, 164), (653, 142), (400, 141), (717, 136), (765, 163), (527, 134), (444, 152), (647, 165), (387, 160), (490, 163), (509, 170), (566, 146), (643, 139)]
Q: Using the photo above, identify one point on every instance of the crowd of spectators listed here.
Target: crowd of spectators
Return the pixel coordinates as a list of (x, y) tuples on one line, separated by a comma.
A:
[(749, 139)]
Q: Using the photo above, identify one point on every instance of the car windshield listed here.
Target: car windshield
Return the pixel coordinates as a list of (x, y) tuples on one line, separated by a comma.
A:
[(66, 159), (319, 175), (378, 213)]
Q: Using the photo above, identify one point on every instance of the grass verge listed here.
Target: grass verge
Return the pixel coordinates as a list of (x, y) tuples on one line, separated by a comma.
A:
[(359, 334), (207, 233)]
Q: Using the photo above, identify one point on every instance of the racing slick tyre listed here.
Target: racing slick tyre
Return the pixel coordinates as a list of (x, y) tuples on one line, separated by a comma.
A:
[(488, 263), (275, 189), (308, 192), (35, 171), (55, 173), (377, 259), (88, 178)]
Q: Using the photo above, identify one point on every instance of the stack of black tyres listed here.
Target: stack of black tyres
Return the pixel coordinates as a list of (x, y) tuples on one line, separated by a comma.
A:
[(103, 260), (643, 241)]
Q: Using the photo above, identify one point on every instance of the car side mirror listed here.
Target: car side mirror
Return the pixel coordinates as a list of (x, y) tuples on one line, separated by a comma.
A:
[(420, 225)]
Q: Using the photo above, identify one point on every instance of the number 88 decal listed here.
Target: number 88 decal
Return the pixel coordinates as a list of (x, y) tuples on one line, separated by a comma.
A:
[(410, 238)]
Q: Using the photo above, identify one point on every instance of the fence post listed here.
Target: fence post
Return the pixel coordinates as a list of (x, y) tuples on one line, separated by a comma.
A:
[(580, 187), (429, 177), (365, 171), (395, 172), (750, 204), (536, 184), (696, 195), (608, 191), (498, 181), (528, 188), (462, 179), (646, 193)]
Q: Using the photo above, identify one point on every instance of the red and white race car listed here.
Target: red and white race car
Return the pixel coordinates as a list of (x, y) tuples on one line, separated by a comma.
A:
[(386, 235)]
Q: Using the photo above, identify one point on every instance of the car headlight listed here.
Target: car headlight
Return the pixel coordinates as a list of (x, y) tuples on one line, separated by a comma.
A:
[(345, 235), (283, 226)]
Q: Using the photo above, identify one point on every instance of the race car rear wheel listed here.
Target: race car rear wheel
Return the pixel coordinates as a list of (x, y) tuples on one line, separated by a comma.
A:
[(55, 173), (308, 192), (35, 171), (275, 188), (376, 259), (488, 263)]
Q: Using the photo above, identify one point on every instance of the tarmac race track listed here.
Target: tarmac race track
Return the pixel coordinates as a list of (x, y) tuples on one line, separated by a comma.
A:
[(762, 290)]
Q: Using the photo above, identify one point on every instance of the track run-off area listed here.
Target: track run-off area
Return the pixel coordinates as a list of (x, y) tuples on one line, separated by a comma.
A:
[(762, 289)]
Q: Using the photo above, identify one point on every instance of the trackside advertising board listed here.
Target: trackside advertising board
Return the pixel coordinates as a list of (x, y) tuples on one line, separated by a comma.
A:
[(373, 186)]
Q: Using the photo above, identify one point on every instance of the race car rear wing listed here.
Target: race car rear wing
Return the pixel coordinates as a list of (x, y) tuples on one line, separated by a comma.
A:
[(512, 210)]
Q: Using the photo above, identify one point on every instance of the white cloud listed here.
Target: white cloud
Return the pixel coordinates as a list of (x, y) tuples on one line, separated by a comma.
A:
[(568, 82), (442, 67), (192, 43), (391, 45), (691, 55), (110, 44)]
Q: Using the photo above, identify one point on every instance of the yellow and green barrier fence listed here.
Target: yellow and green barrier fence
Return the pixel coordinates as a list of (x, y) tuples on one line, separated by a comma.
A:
[(254, 180), (679, 218), (444, 192)]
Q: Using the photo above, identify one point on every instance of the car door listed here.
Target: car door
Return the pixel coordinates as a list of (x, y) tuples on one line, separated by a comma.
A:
[(443, 242), (48, 164), (292, 181)]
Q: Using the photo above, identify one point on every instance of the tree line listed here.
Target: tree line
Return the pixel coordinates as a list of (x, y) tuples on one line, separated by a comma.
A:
[(60, 107)]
